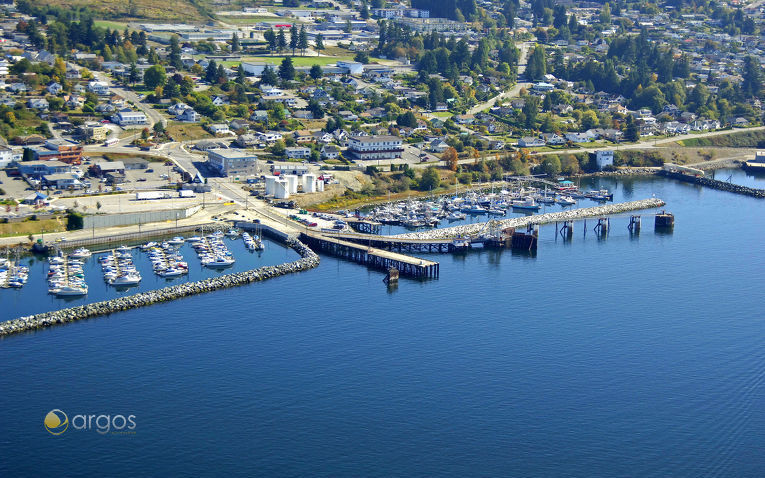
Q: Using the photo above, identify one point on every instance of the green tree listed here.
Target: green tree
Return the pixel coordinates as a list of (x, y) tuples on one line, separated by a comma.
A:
[(537, 64), (294, 38), (303, 40), (155, 76), (234, 42), (278, 148), (270, 37), (319, 42), (361, 57), (530, 111), (281, 41), (430, 179), (316, 72), (407, 119), (631, 132), (268, 77), (605, 14), (175, 53), (287, 69), (551, 165)]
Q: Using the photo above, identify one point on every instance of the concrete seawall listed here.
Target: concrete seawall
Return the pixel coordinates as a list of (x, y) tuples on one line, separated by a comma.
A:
[(308, 260), (597, 211)]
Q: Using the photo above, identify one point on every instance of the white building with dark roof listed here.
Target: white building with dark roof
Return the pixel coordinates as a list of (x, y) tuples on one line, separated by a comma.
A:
[(375, 147)]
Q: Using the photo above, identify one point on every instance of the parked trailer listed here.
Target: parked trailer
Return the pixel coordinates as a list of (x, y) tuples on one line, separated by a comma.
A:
[(151, 195)]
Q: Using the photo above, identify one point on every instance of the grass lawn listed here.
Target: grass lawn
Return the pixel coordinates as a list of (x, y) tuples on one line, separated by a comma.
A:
[(32, 227), (442, 114), (187, 131), (110, 24), (297, 60)]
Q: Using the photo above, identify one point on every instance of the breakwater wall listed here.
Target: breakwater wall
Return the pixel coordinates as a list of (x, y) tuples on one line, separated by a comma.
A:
[(597, 211), (308, 260), (715, 184)]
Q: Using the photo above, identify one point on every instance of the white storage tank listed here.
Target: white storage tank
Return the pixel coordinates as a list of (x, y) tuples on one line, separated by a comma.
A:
[(281, 189), (309, 183), (319, 186), (292, 183), (270, 180)]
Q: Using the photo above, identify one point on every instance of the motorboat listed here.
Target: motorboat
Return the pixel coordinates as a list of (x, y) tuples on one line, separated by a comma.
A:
[(81, 253), (127, 279), (71, 290), (219, 262), (176, 241), (566, 201), (528, 204)]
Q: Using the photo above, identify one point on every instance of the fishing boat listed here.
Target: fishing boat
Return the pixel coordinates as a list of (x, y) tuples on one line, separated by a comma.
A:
[(600, 195)]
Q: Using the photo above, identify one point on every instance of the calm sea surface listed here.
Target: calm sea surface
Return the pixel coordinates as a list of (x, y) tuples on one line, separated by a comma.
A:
[(623, 356)]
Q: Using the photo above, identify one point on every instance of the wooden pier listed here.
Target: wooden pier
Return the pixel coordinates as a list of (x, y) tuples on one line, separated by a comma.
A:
[(373, 257)]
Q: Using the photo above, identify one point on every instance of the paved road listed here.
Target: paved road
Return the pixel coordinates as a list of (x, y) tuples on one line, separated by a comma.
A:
[(152, 115), (512, 92)]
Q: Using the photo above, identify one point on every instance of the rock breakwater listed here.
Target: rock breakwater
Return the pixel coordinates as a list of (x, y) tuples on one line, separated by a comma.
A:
[(597, 211), (715, 184), (308, 260)]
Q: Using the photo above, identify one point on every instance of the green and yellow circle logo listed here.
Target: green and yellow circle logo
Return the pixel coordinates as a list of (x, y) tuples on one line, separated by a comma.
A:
[(56, 422)]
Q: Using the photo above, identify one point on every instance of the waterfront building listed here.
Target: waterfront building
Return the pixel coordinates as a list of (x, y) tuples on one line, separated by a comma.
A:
[(375, 147)]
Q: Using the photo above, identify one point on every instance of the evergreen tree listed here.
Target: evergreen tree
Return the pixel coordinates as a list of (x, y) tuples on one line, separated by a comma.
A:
[(751, 85), (211, 74), (537, 64), (319, 42), (234, 42), (303, 40), (268, 77), (281, 41), (631, 132), (287, 69), (270, 38), (241, 77), (175, 53), (294, 39), (316, 72), (530, 111)]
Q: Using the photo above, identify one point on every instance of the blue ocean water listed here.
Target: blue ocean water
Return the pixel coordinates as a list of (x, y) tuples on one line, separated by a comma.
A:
[(623, 356)]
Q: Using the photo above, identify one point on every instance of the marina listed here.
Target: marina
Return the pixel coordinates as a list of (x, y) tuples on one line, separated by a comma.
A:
[(118, 268), (384, 351)]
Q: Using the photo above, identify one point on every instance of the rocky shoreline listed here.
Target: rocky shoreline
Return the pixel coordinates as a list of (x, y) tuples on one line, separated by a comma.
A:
[(597, 211), (308, 260)]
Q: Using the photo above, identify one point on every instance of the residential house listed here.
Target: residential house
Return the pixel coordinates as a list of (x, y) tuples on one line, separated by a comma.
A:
[(298, 152), (269, 136), (37, 103), (54, 88), (553, 139), (247, 140), (330, 151), (303, 114), (188, 116), (177, 109), (259, 116), (438, 145), (127, 117), (530, 142), (218, 128), (239, 125), (101, 88)]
